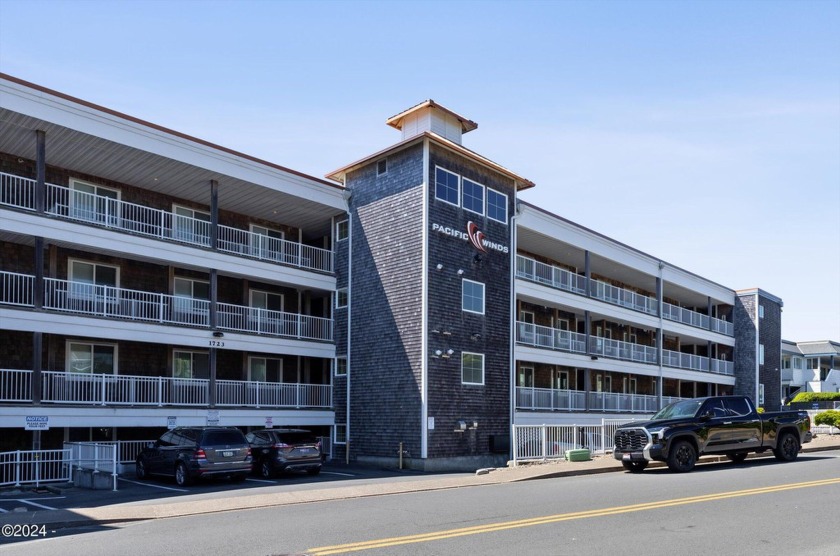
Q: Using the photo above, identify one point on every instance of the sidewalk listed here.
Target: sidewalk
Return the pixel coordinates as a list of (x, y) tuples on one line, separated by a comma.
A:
[(201, 504)]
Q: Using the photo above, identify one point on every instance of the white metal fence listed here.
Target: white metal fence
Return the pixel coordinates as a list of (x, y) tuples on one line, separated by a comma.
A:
[(33, 467), (96, 457), (545, 442)]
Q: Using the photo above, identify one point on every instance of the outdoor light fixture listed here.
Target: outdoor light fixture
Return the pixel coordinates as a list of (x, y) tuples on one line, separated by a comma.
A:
[(439, 266), (460, 426), (476, 336), (450, 351), (218, 334), (460, 271), (438, 353)]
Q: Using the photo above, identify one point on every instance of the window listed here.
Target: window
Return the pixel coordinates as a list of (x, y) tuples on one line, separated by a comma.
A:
[(526, 377), (382, 167), (92, 282), (761, 354), (88, 358), (94, 203), (761, 311), (263, 369), (340, 366), (266, 243), (561, 380), (266, 300), (813, 362), (797, 362), (472, 297), (340, 434), (786, 362), (342, 230), (497, 206), (446, 186), (472, 368), (341, 298), (192, 301), (192, 226), (190, 364), (473, 196)]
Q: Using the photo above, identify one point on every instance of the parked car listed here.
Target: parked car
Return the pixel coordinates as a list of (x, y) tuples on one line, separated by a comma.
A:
[(188, 453), (279, 450)]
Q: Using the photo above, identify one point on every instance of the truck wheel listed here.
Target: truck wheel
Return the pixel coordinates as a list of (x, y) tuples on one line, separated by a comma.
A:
[(682, 457), (787, 447), (737, 458), (634, 466)]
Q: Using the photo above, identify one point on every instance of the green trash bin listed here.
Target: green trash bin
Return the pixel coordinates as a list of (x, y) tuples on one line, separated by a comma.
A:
[(578, 455)]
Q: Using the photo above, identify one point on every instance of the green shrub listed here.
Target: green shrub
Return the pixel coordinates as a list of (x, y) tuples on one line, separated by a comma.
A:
[(806, 397), (830, 417)]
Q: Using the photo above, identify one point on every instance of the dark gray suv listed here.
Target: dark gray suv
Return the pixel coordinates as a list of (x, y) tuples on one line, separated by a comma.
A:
[(188, 453), (279, 450)]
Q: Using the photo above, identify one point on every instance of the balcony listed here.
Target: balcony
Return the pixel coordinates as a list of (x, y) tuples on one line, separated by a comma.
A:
[(626, 351), (561, 279), (59, 387), (697, 363), (698, 320), (550, 338), (78, 206), (551, 276), (107, 302), (623, 298), (548, 399)]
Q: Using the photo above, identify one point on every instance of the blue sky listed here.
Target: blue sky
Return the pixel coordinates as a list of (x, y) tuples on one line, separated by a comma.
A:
[(704, 133)]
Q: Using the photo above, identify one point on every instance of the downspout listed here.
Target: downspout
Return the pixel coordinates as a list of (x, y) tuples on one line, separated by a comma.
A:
[(660, 298), (513, 316), (424, 310), (349, 328)]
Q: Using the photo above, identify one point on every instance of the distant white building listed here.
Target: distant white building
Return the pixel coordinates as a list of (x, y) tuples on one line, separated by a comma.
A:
[(810, 366)]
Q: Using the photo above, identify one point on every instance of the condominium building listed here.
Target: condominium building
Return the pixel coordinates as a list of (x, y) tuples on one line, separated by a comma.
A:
[(410, 305), (812, 366)]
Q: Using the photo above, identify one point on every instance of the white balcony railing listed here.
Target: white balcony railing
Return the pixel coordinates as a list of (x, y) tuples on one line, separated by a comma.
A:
[(552, 276), (70, 204), (550, 338), (625, 351), (17, 289), (109, 302), (272, 394), (696, 362), (624, 298), (634, 403), (699, 320), (58, 387), (550, 399)]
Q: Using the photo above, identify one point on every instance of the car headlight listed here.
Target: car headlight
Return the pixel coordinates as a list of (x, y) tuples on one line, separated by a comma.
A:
[(657, 434)]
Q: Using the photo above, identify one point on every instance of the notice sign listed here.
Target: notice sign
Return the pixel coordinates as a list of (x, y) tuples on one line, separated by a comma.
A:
[(171, 422), (269, 422), (213, 417), (37, 423)]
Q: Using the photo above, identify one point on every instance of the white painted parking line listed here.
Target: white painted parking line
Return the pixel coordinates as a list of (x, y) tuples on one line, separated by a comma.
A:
[(39, 498), (339, 474), (37, 505), (154, 486), (260, 481), (2, 511)]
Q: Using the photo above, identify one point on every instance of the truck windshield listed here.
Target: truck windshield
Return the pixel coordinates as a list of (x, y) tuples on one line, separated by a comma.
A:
[(684, 408)]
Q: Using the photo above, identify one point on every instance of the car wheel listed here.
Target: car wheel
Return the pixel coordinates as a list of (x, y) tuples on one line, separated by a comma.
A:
[(140, 470), (266, 470), (182, 477), (787, 447), (682, 457), (634, 466), (314, 470), (737, 458)]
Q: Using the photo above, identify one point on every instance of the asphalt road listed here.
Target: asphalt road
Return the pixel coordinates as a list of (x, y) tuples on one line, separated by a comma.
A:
[(760, 507)]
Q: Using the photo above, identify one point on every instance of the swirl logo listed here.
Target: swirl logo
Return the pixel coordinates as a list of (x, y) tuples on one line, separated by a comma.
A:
[(476, 236)]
